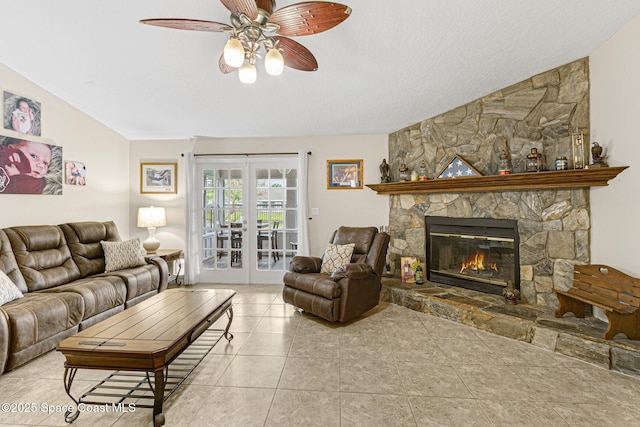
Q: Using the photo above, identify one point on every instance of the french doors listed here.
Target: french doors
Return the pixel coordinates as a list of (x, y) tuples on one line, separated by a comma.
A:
[(248, 222)]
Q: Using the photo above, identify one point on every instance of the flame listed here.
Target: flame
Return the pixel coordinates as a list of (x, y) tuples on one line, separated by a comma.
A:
[(476, 262)]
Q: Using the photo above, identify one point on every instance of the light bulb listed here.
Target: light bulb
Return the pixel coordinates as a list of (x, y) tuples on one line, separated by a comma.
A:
[(274, 62), (247, 73), (234, 53)]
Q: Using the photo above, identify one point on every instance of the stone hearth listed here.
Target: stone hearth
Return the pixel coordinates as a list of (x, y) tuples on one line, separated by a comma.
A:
[(553, 225), (535, 324)]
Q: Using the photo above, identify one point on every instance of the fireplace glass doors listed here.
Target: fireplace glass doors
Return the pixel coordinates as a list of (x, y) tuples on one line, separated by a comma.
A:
[(474, 253)]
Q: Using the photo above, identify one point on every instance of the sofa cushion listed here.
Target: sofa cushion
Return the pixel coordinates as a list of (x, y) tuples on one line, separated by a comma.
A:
[(120, 255), (8, 291), (83, 239), (138, 280), (336, 256), (43, 256), (41, 315), (100, 294), (313, 283)]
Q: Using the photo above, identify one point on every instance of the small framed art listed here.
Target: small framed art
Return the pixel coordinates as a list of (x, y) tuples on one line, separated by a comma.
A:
[(408, 265), (344, 174), (158, 178)]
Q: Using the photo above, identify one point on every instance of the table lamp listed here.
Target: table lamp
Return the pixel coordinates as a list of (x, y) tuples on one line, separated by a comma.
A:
[(151, 218)]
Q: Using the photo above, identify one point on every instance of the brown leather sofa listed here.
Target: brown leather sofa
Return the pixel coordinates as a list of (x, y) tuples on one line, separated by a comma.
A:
[(60, 272), (349, 291)]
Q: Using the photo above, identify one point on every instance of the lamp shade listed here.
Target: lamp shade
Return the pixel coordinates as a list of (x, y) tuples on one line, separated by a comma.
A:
[(151, 217)]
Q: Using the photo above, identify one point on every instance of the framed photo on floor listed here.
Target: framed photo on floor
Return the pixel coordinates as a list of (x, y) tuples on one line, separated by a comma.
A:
[(344, 174), (158, 178)]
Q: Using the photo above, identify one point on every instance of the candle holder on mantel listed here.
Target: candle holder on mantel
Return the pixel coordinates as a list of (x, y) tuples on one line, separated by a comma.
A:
[(580, 148)]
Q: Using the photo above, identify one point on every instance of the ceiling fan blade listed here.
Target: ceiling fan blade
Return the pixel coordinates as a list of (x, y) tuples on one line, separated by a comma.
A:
[(295, 55), (224, 67), (238, 7), (307, 18), (187, 24), (266, 5)]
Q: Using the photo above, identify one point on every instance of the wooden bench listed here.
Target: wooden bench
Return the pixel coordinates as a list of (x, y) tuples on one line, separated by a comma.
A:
[(615, 292)]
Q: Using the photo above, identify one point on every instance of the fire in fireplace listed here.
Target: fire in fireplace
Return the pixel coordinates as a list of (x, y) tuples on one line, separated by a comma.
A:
[(474, 253)]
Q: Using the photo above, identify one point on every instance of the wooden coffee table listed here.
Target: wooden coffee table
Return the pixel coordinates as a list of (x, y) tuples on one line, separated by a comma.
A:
[(146, 338)]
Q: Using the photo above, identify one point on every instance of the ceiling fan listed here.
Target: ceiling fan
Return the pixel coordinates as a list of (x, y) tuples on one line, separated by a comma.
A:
[(256, 24)]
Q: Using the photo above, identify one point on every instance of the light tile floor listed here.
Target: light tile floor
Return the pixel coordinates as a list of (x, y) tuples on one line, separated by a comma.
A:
[(392, 367)]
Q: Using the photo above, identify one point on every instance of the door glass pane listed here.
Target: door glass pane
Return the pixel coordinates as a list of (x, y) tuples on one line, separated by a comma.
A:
[(222, 209), (275, 203)]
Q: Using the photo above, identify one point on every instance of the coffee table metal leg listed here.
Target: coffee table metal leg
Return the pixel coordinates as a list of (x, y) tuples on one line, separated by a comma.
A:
[(69, 375), (228, 335), (158, 398)]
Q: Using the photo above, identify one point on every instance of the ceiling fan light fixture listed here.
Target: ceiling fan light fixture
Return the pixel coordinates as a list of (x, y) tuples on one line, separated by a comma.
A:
[(248, 74), (234, 53), (274, 62)]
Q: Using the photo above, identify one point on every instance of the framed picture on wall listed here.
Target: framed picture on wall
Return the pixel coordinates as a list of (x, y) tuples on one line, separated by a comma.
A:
[(21, 114), (75, 173), (29, 167), (158, 178), (344, 174)]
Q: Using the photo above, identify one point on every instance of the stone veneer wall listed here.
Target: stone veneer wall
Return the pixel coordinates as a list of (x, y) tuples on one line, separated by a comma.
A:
[(553, 224)]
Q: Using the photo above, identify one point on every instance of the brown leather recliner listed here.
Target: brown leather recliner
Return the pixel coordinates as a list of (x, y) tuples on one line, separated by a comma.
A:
[(349, 291)]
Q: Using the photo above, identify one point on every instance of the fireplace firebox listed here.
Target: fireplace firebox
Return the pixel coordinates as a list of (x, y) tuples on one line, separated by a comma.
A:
[(473, 253)]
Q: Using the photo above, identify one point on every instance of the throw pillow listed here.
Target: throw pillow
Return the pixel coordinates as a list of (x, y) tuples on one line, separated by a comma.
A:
[(8, 291), (336, 256), (120, 255)]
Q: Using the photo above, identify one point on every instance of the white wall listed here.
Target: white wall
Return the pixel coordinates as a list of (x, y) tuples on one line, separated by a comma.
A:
[(104, 152), (337, 207), (615, 123), (172, 235)]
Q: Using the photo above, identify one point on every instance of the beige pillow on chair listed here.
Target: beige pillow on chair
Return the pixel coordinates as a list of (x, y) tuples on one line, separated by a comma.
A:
[(336, 256)]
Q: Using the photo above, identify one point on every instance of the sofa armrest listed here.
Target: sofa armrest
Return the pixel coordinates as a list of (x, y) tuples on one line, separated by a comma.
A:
[(352, 271), (164, 271), (4, 339), (305, 264)]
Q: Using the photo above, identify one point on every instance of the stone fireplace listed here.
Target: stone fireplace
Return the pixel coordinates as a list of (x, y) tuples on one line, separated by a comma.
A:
[(552, 224), (474, 253)]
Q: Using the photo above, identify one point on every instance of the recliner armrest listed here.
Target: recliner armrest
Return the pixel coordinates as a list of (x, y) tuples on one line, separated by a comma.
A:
[(305, 264), (164, 271), (352, 271)]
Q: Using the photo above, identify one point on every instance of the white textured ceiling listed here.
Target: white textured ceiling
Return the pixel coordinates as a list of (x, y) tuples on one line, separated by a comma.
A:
[(391, 64)]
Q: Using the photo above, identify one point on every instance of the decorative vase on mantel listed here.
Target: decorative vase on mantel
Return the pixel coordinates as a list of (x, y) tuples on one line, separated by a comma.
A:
[(511, 294)]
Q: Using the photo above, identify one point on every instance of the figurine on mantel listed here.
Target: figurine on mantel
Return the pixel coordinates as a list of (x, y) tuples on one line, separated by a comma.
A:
[(404, 173), (599, 161), (384, 171)]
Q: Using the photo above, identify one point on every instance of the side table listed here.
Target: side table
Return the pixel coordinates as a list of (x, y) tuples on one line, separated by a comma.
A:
[(171, 256)]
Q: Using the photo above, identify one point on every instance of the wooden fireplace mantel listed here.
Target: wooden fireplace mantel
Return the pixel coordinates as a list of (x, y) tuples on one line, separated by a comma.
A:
[(579, 178)]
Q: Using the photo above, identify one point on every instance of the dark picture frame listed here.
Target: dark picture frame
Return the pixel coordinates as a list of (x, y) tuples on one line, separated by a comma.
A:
[(345, 174)]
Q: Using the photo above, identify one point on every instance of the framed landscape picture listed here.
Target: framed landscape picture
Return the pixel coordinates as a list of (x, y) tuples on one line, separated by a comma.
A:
[(344, 174), (158, 178)]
